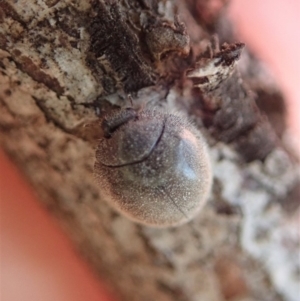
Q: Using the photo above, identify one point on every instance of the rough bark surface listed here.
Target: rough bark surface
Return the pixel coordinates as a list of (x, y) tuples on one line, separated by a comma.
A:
[(64, 61)]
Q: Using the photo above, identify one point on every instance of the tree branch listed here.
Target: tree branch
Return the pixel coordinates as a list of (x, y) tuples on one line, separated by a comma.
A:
[(60, 60)]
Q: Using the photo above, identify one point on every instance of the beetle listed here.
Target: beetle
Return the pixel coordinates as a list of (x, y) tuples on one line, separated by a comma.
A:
[(153, 167)]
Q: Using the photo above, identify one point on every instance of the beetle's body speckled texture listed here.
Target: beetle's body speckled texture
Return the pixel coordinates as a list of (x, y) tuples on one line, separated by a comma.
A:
[(155, 169)]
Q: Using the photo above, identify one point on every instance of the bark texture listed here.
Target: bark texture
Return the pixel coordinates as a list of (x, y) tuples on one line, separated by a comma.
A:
[(64, 61)]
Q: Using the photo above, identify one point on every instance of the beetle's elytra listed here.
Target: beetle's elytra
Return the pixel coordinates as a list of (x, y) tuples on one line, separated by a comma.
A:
[(153, 167)]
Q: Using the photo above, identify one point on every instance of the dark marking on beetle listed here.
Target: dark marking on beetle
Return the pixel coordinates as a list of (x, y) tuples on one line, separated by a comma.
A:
[(113, 121), (146, 156)]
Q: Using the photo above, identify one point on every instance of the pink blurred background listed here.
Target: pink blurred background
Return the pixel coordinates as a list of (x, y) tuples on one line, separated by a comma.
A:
[(38, 262)]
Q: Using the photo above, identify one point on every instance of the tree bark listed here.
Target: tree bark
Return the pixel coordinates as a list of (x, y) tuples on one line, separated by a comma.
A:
[(64, 61)]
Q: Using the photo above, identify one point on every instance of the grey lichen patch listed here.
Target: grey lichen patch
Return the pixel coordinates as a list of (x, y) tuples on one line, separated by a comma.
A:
[(230, 189), (262, 233), (278, 173), (81, 86), (52, 41), (41, 10), (43, 56), (58, 110), (191, 254), (184, 250), (265, 238)]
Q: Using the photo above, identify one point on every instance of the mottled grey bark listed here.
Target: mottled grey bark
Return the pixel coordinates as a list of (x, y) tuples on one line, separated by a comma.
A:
[(63, 61)]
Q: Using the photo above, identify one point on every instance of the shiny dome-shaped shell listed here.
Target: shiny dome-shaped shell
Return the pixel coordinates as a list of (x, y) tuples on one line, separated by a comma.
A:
[(155, 169)]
